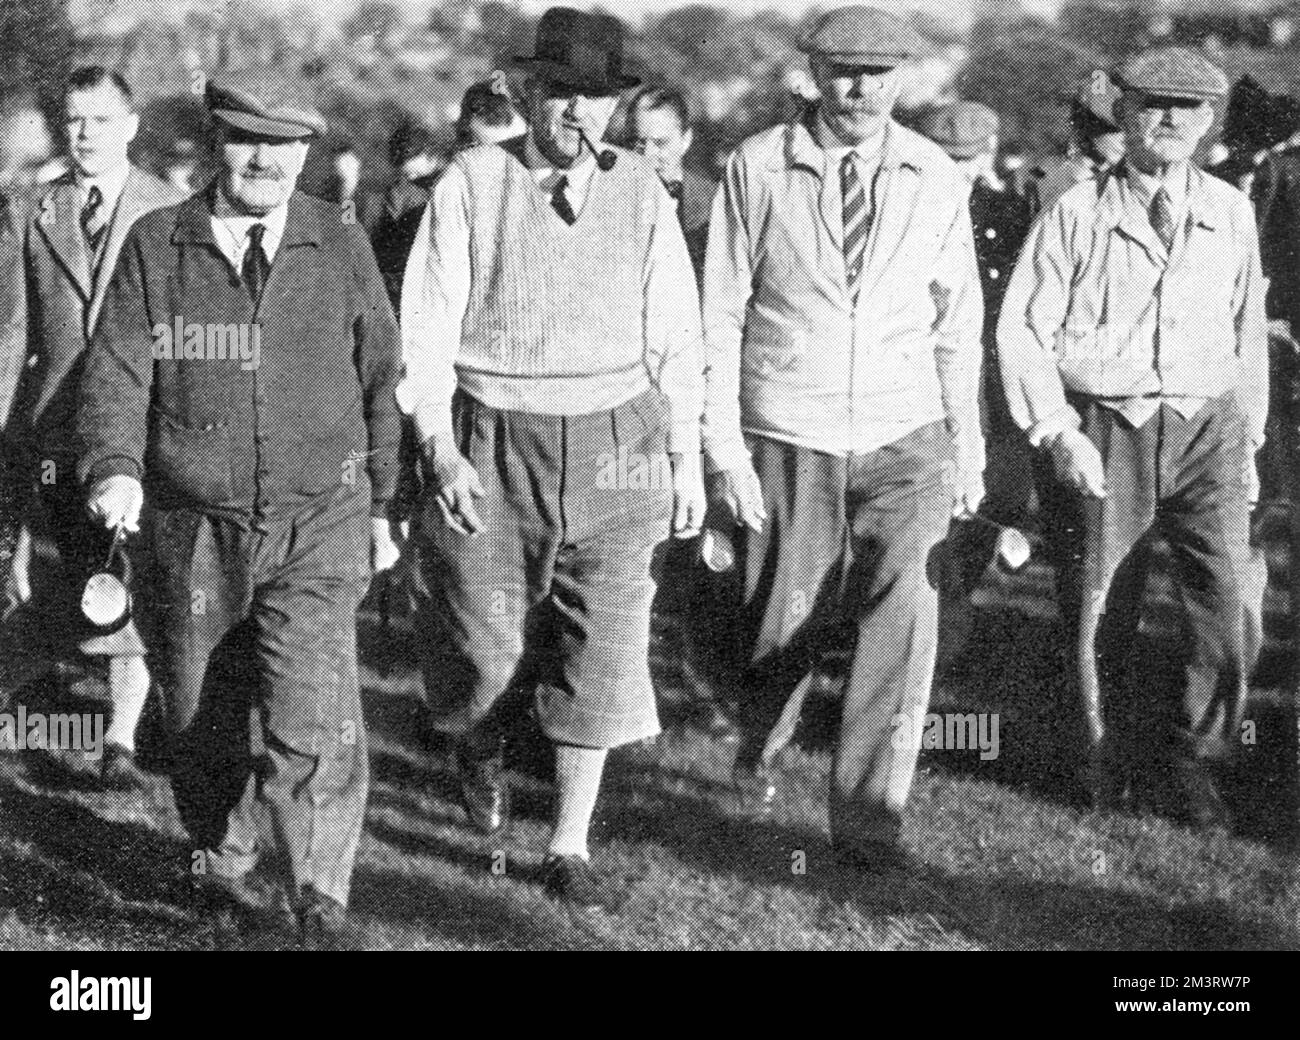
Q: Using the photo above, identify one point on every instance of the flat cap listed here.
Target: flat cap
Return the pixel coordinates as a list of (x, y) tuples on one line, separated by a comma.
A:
[(1175, 72), (275, 117), (962, 129), (859, 35)]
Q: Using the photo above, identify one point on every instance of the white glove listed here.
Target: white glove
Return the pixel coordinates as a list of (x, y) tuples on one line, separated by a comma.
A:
[(116, 502)]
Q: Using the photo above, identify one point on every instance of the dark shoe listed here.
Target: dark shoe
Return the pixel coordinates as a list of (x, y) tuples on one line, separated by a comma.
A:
[(1203, 807), (119, 772), (873, 857), (484, 794), (571, 880), (243, 907), (714, 722), (322, 922), (756, 790)]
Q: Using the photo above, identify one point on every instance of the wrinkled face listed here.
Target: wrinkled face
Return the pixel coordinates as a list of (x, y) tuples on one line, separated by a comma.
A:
[(100, 127), (658, 134), (259, 173), (557, 114), (1162, 130), (481, 132), (857, 100)]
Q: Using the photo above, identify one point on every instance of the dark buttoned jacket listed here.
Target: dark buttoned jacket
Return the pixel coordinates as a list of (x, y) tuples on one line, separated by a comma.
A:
[(223, 436)]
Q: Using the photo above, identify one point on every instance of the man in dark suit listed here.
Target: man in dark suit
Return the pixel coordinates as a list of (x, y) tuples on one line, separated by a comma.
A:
[(659, 125), (70, 244), (270, 471)]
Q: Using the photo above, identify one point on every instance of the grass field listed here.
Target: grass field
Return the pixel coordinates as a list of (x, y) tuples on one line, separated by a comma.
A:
[(1008, 859)]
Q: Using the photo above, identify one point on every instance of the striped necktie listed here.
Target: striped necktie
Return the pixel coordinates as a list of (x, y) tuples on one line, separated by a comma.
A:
[(1162, 218), (93, 220), (857, 223)]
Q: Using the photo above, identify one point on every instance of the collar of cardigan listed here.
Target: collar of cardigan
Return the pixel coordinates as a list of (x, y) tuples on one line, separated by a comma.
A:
[(194, 223)]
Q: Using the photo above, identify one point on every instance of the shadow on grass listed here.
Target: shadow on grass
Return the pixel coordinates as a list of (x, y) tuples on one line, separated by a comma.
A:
[(998, 913)]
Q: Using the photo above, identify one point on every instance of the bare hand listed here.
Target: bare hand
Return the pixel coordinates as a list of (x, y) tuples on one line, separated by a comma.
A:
[(117, 502), (455, 485), (1079, 464), (738, 491), (688, 495)]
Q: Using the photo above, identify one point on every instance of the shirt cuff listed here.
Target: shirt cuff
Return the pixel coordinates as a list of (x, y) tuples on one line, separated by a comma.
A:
[(113, 466)]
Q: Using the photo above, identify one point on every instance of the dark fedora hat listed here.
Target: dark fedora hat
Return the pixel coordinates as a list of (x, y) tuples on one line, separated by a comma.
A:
[(580, 50)]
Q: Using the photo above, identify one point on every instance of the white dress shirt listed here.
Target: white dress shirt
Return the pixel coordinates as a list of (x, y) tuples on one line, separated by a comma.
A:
[(230, 228)]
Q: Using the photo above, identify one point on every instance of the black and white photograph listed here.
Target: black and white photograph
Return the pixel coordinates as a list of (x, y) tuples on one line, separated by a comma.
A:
[(486, 475)]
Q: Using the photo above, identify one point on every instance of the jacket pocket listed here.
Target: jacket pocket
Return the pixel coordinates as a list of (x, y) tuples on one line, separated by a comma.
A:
[(193, 461)]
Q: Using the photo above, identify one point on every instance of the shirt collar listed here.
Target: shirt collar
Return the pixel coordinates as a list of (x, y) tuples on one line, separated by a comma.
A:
[(110, 185), (1146, 185), (801, 148), (835, 149), (231, 227), (545, 173), (1122, 183)]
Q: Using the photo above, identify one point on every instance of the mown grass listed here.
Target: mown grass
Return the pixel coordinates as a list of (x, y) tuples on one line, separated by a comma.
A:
[(1007, 857)]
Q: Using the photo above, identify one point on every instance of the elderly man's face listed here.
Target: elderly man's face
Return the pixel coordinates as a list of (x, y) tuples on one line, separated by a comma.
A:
[(259, 173), (1160, 131), (100, 126), (857, 100), (557, 114)]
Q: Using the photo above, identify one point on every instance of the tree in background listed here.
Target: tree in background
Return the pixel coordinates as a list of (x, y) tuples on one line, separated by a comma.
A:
[(36, 41)]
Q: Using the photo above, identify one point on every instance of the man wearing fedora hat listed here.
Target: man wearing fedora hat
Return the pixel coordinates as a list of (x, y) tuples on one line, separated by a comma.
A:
[(553, 372), (269, 472), (842, 327), (1134, 353)]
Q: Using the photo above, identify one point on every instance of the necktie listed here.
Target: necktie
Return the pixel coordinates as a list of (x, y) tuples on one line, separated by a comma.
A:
[(1162, 218), (674, 190), (255, 267), (92, 218), (857, 223), (560, 200)]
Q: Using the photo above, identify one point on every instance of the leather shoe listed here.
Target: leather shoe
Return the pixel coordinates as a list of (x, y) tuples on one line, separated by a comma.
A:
[(243, 906), (118, 770), (484, 795), (570, 880), (322, 922)]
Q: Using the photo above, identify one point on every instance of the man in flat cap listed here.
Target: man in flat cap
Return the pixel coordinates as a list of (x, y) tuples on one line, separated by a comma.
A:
[(842, 327), (1096, 142), (242, 382), (69, 242), (1134, 353), (1000, 219), (553, 371)]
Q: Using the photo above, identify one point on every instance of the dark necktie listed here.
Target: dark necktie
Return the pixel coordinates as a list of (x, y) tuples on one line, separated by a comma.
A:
[(1162, 218), (92, 218), (256, 266), (560, 200), (857, 223)]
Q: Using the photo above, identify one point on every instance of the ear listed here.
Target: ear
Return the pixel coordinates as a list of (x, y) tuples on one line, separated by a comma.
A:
[(689, 138), (132, 126)]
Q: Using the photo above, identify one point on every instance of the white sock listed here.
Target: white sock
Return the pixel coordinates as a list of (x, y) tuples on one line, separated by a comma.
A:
[(577, 783), (128, 684)]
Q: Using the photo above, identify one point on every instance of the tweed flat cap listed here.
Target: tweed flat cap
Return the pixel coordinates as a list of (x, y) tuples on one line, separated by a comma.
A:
[(1175, 72), (861, 36), (253, 115), (962, 129)]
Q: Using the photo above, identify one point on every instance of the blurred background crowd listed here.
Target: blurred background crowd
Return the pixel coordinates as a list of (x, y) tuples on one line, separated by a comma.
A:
[(388, 71)]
